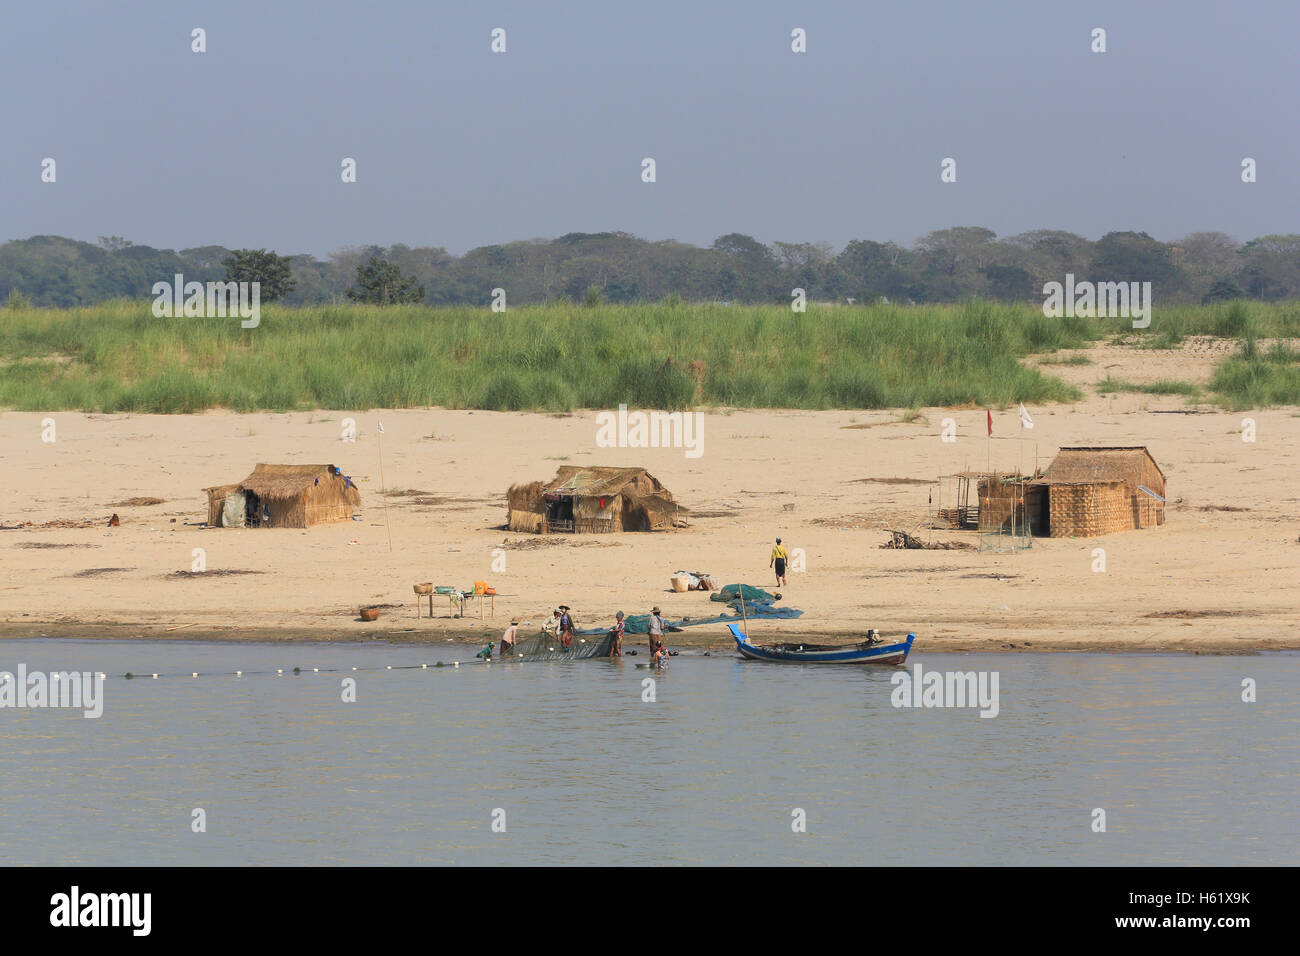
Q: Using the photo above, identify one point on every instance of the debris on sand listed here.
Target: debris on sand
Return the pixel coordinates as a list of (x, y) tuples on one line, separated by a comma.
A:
[(902, 540), (137, 502), (51, 544), (57, 523), (532, 544), (216, 573), (1183, 615), (891, 481)]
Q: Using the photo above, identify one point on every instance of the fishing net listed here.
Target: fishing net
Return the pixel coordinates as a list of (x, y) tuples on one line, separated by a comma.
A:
[(640, 623), (732, 592), (545, 647)]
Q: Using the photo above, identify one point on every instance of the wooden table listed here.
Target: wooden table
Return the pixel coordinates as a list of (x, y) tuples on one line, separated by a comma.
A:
[(455, 603), (417, 604)]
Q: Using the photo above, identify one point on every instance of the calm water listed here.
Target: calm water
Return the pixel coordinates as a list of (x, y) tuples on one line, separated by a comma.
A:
[(586, 772)]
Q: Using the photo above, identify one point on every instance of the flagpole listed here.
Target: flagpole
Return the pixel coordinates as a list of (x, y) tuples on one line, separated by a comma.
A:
[(383, 486), (1020, 485), (988, 442)]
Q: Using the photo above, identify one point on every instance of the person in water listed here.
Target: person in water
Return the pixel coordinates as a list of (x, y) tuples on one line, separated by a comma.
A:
[(566, 627), (656, 630), (660, 657), (486, 653), (508, 639), (616, 636), (551, 627)]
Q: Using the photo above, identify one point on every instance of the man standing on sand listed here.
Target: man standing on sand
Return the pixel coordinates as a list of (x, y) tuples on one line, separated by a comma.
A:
[(656, 630), (616, 636), (508, 639), (779, 556)]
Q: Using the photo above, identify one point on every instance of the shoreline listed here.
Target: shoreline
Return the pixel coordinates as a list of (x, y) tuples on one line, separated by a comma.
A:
[(1210, 580), (121, 631)]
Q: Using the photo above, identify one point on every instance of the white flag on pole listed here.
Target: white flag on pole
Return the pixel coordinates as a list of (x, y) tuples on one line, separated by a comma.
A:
[(1025, 420), (381, 424)]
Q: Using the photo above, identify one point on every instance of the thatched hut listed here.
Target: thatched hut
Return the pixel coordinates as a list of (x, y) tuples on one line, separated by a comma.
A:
[(284, 496), (586, 500), (1087, 492)]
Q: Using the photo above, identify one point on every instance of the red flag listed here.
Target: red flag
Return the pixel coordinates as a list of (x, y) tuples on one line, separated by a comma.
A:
[(990, 423)]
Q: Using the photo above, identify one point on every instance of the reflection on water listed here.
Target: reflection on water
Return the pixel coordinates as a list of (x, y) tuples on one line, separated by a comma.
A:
[(587, 772)]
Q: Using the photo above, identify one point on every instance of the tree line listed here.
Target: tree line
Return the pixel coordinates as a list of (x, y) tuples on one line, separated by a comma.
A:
[(947, 265)]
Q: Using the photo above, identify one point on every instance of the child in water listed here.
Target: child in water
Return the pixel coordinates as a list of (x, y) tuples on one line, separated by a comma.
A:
[(659, 658)]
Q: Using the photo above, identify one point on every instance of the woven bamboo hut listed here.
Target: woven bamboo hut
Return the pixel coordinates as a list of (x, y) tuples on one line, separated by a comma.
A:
[(284, 496), (593, 500), (961, 496), (1088, 492)]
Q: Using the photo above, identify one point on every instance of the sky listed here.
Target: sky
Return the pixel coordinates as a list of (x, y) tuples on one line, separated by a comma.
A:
[(457, 146)]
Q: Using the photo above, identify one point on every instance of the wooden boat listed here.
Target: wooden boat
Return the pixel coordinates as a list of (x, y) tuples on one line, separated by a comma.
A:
[(870, 651)]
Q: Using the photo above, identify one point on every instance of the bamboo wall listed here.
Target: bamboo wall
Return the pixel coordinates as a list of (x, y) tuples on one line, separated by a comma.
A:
[(1091, 509)]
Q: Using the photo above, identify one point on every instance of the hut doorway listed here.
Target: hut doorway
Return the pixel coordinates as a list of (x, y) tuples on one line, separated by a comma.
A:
[(1038, 510), (559, 512), (252, 509)]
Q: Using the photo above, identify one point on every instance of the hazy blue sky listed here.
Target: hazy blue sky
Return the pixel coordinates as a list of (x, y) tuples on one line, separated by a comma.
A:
[(459, 147)]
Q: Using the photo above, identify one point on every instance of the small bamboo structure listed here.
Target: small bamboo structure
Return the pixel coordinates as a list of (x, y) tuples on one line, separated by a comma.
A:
[(289, 496), (593, 500), (1088, 492)]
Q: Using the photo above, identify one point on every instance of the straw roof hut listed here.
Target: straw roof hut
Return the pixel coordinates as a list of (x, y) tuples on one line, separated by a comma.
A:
[(1087, 492), (284, 496), (587, 500)]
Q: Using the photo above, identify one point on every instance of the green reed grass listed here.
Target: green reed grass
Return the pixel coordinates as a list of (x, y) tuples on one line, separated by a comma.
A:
[(1256, 378), (118, 357)]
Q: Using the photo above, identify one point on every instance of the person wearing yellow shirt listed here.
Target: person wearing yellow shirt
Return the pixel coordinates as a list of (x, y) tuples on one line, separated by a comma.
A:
[(779, 556)]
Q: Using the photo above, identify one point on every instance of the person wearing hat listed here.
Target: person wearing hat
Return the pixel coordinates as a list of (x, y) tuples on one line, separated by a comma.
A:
[(566, 627), (508, 639), (551, 626), (656, 629), (779, 555), (616, 636)]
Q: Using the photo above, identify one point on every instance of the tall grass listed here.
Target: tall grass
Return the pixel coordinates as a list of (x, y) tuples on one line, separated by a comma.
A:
[(1171, 325), (1258, 379), (118, 357)]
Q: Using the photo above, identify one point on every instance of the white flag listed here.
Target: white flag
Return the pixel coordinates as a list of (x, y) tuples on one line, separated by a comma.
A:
[(381, 424), (1025, 420)]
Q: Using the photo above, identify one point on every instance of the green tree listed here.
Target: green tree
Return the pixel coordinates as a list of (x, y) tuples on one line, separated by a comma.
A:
[(382, 283), (1223, 290), (1134, 257), (749, 270), (258, 265), (1009, 283)]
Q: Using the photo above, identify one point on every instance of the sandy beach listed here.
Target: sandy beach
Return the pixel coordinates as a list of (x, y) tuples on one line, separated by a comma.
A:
[(1218, 577)]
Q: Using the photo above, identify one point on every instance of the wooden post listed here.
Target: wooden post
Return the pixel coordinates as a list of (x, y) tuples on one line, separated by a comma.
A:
[(743, 617), (383, 490)]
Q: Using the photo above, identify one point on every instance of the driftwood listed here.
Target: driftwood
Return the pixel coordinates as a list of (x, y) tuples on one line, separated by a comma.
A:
[(902, 540)]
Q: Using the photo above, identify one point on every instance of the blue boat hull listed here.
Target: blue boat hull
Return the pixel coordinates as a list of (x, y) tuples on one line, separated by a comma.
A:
[(815, 654)]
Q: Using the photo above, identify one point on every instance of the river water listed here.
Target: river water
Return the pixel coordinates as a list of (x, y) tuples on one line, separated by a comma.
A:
[(580, 768)]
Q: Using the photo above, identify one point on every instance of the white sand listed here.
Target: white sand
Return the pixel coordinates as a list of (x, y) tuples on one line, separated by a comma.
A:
[(1207, 580)]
